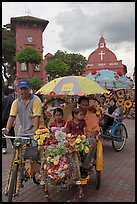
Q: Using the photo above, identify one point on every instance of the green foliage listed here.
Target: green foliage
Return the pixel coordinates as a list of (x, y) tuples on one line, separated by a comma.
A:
[(35, 83), (8, 51), (27, 55), (55, 67), (75, 64)]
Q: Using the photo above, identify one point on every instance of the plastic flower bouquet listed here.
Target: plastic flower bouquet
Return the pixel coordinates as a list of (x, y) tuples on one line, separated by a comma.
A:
[(57, 166), (77, 143), (41, 135)]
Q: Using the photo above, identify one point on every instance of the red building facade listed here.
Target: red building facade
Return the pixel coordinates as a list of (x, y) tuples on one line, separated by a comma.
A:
[(103, 58), (29, 31)]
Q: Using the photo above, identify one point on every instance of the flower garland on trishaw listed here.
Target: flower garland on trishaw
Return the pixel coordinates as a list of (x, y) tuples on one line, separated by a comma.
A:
[(60, 157)]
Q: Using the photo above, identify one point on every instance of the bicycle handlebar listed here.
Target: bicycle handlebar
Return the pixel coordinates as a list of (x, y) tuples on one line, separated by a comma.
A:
[(18, 137)]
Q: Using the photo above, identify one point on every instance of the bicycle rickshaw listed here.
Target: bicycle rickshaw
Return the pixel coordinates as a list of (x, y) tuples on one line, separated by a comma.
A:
[(117, 134), (25, 164), (72, 162), (28, 163)]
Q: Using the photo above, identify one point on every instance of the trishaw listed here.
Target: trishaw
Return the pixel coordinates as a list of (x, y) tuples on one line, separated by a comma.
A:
[(32, 161), (117, 134), (56, 164)]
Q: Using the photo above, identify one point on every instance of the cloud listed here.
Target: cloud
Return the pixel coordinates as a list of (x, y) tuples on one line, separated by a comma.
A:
[(81, 30)]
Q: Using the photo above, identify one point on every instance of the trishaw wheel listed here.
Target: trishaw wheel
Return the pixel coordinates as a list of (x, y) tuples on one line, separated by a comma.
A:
[(98, 179), (120, 136)]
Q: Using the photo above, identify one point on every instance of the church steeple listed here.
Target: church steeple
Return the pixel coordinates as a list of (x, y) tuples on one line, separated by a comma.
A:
[(101, 43)]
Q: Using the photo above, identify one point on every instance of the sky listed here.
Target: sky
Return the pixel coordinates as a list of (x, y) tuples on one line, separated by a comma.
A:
[(75, 27)]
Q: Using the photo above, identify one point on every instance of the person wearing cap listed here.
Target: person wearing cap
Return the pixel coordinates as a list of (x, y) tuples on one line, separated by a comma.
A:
[(27, 107)]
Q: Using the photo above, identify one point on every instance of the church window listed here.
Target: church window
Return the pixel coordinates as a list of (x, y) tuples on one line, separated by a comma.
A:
[(23, 66), (101, 45)]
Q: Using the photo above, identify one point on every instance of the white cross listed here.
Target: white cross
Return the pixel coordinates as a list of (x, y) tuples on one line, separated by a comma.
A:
[(101, 53)]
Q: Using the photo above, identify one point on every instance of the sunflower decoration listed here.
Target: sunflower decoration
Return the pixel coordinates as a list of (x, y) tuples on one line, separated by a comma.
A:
[(114, 96), (120, 102), (107, 101), (107, 95), (123, 109), (128, 104), (120, 93), (100, 111)]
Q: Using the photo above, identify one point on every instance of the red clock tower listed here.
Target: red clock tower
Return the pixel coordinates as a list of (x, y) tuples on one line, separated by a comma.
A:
[(29, 31)]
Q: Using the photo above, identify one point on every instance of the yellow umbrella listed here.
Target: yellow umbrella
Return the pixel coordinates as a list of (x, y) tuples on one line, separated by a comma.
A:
[(72, 85)]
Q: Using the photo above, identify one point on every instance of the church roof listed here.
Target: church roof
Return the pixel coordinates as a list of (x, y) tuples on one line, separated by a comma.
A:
[(102, 53)]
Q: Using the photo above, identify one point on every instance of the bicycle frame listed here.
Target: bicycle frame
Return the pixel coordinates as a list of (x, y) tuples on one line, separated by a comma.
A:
[(112, 128), (19, 150)]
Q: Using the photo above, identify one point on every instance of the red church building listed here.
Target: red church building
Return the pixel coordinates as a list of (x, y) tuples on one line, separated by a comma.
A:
[(103, 58), (29, 31)]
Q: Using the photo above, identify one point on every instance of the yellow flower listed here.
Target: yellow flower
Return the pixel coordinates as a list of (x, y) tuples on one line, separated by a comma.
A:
[(48, 159), (83, 137), (50, 171), (120, 102), (123, 109), (68, 135), (40, 142), (56, 162), (78, 140), (45, 167), (128, 104), (86, 149), (107, 95), (120, 93), (98, 112), (65, 166), (107, 101), (82, 146), (42, 137), (36, 137)]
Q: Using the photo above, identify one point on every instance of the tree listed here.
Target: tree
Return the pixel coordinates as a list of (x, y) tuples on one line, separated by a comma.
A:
[(8, 52), (28, 55), (35, 83), (75, 63), (56, 67)]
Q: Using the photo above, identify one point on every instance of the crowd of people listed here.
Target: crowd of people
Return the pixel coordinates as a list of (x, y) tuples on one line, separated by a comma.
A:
[(28, 108)]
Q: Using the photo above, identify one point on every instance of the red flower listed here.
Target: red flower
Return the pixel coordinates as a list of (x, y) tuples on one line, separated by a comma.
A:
[(93, 72), (91, 147), (52, 93)]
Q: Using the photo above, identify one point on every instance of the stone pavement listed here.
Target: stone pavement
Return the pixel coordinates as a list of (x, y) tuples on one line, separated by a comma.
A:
[(117, 178)]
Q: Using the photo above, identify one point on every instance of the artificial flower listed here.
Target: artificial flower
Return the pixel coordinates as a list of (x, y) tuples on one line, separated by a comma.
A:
[(120, 93), (128, 104), (120, 102)]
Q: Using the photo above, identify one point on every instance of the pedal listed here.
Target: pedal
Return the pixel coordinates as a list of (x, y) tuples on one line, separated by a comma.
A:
[(84, 181)]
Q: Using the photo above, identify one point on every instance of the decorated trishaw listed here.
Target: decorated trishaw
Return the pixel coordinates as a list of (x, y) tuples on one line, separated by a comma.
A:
[(60, 152)]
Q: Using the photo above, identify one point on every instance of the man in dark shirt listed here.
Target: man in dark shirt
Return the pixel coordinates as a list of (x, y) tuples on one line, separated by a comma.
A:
[(6, 105)]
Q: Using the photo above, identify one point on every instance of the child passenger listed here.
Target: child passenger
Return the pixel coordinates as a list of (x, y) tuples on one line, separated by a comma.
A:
[(58, 123), (77, 125)]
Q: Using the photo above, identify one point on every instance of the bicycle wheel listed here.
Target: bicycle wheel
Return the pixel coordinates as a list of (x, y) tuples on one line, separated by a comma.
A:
[(120, 136), (13, 182), (98, 179), (36, 178)]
